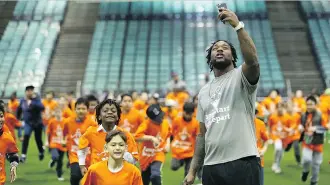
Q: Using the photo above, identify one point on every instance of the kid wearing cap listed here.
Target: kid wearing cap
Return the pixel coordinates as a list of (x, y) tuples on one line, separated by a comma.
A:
[(184, 131), (154, 133)]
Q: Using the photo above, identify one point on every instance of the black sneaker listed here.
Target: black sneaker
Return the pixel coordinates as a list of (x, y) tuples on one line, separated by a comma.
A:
[(41, 156), (51, 163), (304, 176)]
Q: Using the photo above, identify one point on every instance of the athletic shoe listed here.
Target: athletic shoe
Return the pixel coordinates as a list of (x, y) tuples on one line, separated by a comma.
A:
[(41, 156), (313, 183), (278, 170), (274, 167), (304, 176), (22, 159), (51, 163), (60, 179)]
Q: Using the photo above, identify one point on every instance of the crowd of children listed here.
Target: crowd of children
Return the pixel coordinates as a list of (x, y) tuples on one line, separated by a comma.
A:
[(105, 140)]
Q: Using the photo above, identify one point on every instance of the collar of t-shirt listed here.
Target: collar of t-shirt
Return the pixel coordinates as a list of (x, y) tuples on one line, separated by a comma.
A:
[(101, 128)]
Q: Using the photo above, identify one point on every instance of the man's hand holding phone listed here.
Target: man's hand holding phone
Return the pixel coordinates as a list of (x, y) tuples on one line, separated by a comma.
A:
[(225, 15)]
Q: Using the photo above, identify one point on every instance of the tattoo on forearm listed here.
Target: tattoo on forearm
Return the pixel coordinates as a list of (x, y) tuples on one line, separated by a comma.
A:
[(199, 154), (248, 48)]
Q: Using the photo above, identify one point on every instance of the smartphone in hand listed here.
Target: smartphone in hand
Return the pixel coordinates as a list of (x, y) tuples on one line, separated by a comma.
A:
[(222, 5)]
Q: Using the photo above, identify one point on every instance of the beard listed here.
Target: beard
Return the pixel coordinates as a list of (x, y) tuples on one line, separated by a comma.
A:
[(221, 65)]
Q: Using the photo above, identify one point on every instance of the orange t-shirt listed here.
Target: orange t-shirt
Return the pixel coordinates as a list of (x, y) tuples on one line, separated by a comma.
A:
[(67, 112), (184, 137), (74, 130), (13, 105), (92, 115), (262, 136), (319, 147), (12, 122), (7, 145), (270, 104), (300, 103), (55, 134), (278, 124), (49, 106), (95, 139), (179, 97), (170, 115), (148, 153), (131, 121), (295, 122), (140, 105), (99, 174)]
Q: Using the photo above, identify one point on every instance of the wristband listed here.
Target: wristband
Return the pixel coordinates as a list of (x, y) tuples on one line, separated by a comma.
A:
[(239, 26)]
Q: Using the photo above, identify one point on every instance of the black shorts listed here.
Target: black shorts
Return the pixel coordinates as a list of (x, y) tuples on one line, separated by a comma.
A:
[(244, 171)]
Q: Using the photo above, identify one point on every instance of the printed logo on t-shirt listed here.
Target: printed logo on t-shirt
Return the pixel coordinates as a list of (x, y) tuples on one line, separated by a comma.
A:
[(218, 114)]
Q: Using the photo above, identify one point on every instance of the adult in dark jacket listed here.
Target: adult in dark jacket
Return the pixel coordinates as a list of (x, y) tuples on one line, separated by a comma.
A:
[(31, 108)]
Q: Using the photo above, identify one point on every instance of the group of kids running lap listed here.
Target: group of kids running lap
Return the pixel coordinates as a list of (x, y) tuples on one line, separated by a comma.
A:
[(125, 142)]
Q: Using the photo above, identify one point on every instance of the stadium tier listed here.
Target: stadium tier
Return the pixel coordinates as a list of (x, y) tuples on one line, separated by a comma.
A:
[(25, 52), (312, 8), (40, 10), (168, 8), (152, 49)]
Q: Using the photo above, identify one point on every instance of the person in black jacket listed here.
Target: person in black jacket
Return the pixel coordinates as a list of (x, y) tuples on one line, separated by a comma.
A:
[(315, 125), (31, 108)]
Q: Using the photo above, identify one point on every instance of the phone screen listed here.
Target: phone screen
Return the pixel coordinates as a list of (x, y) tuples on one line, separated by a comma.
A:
[(222, 5)]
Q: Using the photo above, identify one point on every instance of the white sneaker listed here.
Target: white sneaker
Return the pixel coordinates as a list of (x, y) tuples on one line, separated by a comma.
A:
[(278, 170), (60, 179), (274, 167)]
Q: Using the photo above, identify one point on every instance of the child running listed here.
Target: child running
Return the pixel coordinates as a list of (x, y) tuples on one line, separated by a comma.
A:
[(55, 142), (108, 115), (7, 148), (154, 133), (115, 170), (185, 130)]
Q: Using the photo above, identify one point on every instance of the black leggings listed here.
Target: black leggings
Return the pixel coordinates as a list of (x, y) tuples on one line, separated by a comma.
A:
[(75, 175)]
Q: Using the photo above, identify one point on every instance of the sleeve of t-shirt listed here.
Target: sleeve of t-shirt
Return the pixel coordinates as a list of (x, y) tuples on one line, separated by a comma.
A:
[(11, 145), (84, 141), (137, 179), (200, 113), (250, 88), (89, 178), (141, 130), (132, 146)]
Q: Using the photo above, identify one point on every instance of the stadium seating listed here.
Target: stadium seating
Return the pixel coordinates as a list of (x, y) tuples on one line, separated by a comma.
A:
[(40, 10), (320, 29), (148, 8), (319, 8), (170, 43), (26, 48)]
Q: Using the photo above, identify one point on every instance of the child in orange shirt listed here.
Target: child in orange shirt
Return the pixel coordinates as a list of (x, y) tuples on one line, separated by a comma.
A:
[(262, 143), (10, 120), (8, 149), (55, 142), (279, 125), (108, 115), (184, 131), (50, 104), (315, 125), (154, 133), (131, 118), (115, 170), (74, 128)]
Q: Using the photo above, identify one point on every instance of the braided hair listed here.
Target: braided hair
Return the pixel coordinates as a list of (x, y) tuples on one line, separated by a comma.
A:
[(209, 50), (101, 105)]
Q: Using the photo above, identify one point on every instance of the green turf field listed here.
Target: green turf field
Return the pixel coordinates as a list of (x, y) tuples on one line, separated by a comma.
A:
[(34, 172)]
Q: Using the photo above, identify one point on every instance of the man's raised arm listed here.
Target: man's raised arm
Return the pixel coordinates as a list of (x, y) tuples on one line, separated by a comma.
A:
[(250, 67)]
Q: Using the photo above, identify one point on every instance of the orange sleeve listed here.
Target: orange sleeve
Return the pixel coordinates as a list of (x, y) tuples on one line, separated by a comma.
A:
[(49, 127), (14, 121), (141, 130), (12, 148), (137, 179), (83, 140), (132, 146), (324, 121), (89, 178)]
